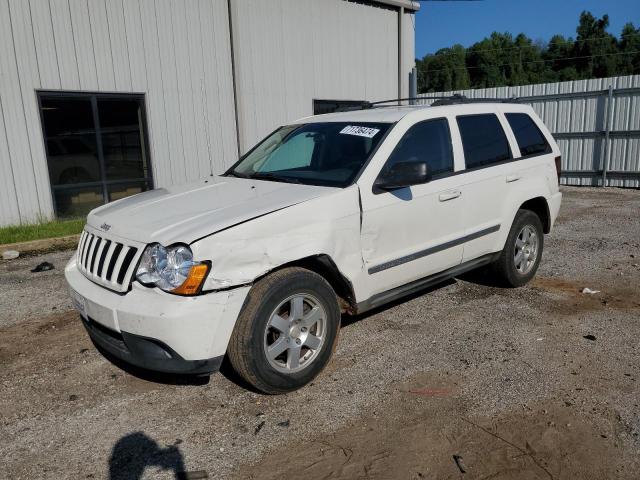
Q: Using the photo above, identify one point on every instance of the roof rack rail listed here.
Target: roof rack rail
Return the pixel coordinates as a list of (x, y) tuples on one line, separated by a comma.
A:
[(454, 99), (380, 103), (438, 101), (459, 99)]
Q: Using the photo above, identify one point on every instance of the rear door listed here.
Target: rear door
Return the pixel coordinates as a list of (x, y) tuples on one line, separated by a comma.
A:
[(488, 159), (536, 163), (410, 233)]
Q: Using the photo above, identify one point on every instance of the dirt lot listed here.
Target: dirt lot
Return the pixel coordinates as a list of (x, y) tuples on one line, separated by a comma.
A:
[(537, 382)]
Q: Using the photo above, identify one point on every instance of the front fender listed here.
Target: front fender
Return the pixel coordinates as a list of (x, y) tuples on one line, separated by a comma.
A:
[(328, 225)]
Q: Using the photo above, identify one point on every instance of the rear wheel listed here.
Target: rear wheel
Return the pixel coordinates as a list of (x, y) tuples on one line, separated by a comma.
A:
[(286, 332), (520, 258)]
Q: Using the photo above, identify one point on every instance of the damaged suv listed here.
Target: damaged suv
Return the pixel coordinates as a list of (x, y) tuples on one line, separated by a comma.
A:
[(336, 213)]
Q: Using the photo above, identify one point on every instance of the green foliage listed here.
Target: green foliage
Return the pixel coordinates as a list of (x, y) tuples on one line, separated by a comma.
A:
[(502, 60), (36, 231)]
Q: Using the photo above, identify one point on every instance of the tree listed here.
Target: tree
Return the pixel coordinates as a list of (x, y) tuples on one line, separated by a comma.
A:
[(446, 70), (629, 63), (594, 48), (556, 54), (501, 60)]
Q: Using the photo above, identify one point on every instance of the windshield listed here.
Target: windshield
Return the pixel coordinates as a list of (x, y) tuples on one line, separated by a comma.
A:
[(330, 153)]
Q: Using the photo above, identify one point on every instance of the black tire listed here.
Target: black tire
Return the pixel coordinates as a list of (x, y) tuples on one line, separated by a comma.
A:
[(504, 267), (246, 350)]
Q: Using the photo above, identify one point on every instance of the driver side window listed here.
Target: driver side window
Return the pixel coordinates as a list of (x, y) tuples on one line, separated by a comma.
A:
[(428, 141)]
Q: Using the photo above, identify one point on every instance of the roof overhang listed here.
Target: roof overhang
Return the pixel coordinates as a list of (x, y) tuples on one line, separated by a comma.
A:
[(409, 5)]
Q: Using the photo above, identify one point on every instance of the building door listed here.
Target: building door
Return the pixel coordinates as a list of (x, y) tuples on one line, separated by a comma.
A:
[(97, 149)]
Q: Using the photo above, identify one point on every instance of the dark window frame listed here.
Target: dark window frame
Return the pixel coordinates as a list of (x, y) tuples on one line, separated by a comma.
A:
[(94, 97), (484, 165), (548, 150), (437, 176)]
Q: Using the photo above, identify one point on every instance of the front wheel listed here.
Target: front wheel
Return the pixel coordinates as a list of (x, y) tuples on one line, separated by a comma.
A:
[(521, 255), (286, 332)]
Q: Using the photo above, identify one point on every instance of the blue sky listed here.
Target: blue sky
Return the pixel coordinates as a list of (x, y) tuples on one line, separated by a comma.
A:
[(444, 23)]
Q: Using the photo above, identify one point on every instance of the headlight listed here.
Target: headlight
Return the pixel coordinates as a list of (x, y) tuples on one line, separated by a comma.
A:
[(171, 269)]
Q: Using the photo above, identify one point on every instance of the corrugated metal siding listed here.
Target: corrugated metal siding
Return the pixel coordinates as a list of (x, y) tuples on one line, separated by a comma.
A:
[(9, 211), (289, 52), (588, 114), (177, 53)]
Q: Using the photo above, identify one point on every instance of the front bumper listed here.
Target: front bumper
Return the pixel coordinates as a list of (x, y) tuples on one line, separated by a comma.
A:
[(147, 353), (156, 330)]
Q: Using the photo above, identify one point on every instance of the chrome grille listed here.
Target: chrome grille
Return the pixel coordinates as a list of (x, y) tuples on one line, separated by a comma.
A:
[(106, 261)]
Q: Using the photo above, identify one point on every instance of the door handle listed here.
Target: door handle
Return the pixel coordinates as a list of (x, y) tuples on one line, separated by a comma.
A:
[(446, 196), (513, 178)]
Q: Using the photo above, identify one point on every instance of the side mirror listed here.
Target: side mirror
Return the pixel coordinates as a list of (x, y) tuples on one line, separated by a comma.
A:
[(403, 174)]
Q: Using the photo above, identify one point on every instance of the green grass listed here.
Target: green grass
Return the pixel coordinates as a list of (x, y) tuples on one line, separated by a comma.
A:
[(24, 233)]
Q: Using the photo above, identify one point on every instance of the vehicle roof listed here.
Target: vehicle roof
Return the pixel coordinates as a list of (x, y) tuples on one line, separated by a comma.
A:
[(394, 114), (378, 115)]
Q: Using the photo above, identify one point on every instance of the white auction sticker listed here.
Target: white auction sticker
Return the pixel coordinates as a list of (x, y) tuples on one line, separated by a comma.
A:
[(359, 131)]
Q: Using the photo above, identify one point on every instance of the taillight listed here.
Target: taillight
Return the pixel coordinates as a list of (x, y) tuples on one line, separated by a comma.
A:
[(558, 166)]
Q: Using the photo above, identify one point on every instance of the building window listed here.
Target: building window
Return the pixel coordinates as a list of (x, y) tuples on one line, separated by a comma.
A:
[(330, 106), (96, 147)]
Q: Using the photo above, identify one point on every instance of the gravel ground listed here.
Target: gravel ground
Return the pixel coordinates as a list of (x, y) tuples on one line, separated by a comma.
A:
[(32, 295), (498, 383)]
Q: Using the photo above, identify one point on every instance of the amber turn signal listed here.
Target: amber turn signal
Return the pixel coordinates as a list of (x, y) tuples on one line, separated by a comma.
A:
[(194, 281)]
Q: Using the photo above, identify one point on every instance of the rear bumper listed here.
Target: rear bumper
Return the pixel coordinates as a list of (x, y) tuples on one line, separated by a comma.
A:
[(147, 353), (153, 329)]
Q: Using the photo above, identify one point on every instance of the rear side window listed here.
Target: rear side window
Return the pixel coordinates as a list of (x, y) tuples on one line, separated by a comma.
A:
[(428, 141), (529, 137), (483, 140)]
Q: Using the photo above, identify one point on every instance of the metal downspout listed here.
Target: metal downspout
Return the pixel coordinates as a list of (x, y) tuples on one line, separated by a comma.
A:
[(400, 16), (234, 78)]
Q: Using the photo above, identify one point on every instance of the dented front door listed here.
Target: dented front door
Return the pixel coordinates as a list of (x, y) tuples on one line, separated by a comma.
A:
[(410, 233)]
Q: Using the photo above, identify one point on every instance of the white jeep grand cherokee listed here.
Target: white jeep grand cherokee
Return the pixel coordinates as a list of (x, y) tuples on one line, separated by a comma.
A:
[(333, 213)]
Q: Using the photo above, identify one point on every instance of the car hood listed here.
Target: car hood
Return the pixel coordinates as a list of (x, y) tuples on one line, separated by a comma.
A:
[(187, 213)]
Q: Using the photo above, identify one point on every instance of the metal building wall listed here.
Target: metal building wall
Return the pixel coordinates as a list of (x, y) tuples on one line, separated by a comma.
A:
[(179, 54), (577, 113), (175, 52), (288, 52)]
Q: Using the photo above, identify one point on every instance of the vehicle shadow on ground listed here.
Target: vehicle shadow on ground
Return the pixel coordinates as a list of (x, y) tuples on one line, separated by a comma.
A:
[(480, 276), (351, 319), (134, 452)]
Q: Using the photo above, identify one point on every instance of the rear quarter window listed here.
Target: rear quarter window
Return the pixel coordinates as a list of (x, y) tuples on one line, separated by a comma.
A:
[(483, 140), (529, 137)]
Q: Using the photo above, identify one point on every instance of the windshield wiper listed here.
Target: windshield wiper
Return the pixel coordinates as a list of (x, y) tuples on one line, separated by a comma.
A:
[(233, 173), (274, 177)]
